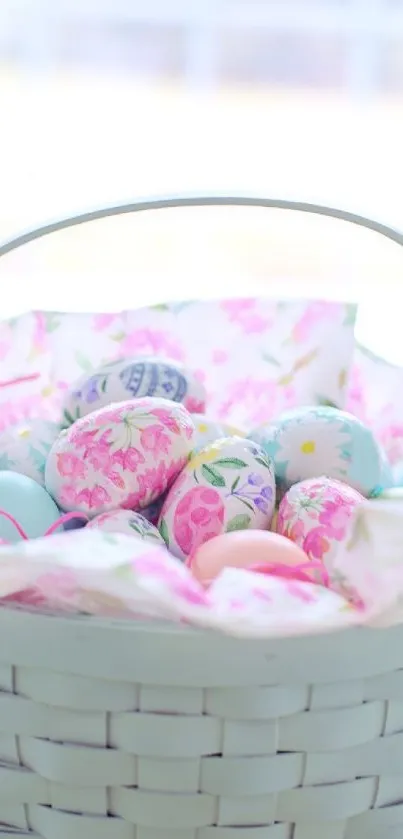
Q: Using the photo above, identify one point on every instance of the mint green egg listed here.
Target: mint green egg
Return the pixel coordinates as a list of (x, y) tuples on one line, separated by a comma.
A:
[(28, 503)]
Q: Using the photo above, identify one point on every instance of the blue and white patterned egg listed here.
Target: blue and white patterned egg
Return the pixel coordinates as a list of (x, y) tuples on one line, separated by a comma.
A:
[(126, 521), (228, 485), (133, 378), (208, 430), (25, 447), (320, 440)]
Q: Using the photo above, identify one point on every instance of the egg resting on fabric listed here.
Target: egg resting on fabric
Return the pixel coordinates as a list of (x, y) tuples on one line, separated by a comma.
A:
[(245, 549), (126, 521)]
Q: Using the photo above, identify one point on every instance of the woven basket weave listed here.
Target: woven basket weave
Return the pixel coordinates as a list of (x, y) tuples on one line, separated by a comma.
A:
[(116, 730)]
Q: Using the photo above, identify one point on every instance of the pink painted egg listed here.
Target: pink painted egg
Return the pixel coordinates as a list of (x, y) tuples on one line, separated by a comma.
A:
[(228, 485), (260, 549), (199, 516), (122, 456), (126, 521), (316, 513)]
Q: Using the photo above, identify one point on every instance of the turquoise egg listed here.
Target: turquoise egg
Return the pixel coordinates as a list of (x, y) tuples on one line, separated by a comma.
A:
[(320, 440), (28, 503)]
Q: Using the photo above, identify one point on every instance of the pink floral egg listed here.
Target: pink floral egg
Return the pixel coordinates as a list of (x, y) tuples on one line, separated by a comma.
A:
[(227, 486), (315, 514), (123, 456), (126, 521)]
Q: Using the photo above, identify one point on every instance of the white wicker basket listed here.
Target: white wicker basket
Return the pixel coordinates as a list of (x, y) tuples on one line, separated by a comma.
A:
[(117, 730)]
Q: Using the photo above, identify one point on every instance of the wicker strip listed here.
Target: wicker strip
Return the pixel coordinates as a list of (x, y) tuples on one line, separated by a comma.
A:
[(249, 739)]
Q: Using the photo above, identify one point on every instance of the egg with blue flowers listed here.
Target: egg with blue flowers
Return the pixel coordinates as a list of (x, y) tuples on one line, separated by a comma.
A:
[(321, 440), (133, 378)]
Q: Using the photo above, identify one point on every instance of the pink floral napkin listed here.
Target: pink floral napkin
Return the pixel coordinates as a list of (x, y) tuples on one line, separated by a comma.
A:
[(375, 395), (257, 357), (114, 575)]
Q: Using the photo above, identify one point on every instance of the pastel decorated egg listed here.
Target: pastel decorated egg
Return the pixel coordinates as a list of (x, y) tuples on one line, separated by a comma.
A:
[(133, 379), (316, 513), (321, 440), (254, 549), (126, 521), (227, 486), (28, 504), (25, 447), (122, 456), (208, 430)]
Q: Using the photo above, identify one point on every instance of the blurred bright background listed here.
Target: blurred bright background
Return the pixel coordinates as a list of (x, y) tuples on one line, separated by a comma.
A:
[(104, 101)]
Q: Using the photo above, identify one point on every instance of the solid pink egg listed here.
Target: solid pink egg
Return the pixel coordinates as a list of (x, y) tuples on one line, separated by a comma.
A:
[(245, 549)]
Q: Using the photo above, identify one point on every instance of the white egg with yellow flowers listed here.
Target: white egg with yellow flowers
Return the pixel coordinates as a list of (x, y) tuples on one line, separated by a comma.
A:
[(208, 430)]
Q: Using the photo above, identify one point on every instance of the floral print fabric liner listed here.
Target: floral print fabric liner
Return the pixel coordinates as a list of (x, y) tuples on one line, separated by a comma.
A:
[(257, 357), (373, 395), (113, 575)]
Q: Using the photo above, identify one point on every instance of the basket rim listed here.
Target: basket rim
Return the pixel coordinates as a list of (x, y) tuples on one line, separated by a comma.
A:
[(168, 654)]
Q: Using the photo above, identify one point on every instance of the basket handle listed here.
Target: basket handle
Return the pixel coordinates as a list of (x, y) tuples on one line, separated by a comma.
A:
[(199, 201)]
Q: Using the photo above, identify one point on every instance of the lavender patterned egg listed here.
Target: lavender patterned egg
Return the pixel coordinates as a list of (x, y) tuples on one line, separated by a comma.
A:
[(25, 447), (125, 521), (130, 379), (122, 456), (208, 430), (321, 440), (228, 485)]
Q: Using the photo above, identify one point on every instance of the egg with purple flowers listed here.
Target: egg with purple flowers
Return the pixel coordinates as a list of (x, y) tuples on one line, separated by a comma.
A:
[(228, 485)]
